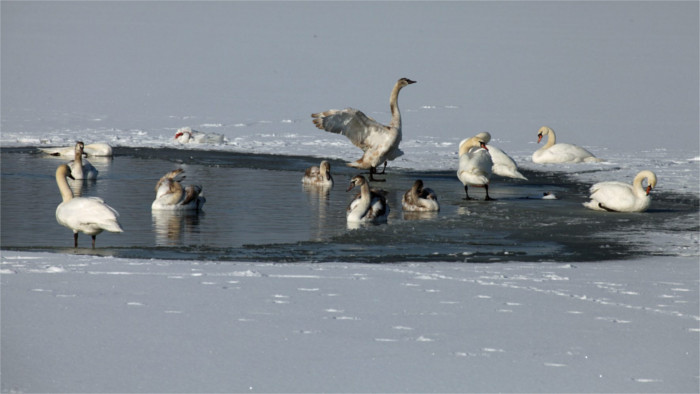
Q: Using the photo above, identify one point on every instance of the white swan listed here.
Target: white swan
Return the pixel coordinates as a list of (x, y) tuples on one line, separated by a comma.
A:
[(552, 152), (368, 205), (99, 149), (319, 176), (81, 168), (170, 195), (186, 135), (475, 163), (379, 142), (623, 197), (89, 215), (503, 164), (420, 199)]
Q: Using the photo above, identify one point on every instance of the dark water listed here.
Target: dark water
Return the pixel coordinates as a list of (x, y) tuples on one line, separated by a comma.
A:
[(257, 209)]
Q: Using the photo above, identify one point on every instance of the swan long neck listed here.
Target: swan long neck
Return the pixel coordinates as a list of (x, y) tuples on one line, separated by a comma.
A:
[(78, 155), (61, 174), (637, 183), (394, 104), (364, 193), (551, 139), (466, 145)]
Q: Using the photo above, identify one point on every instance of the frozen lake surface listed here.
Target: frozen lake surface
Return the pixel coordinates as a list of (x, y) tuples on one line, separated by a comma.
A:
[(257, 209), (268, 290)]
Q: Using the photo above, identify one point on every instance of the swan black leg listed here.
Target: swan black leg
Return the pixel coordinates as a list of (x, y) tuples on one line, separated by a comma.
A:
[(93, 241), (75, 240), (372, 171), (488, 198), (466, 192), (383, 169)]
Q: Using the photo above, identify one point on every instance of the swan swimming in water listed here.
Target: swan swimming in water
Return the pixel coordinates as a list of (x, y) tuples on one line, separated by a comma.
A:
[(186, 135), (368, 205), (89, 215), (170, 195), (99, 149), (622, 197), (319, 176), (552, 152), (80, 168), (420, 199), (379, 142), (475, 164)]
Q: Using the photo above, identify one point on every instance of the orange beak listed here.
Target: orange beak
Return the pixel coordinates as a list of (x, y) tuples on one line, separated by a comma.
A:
[(648, 190), (539, 138)]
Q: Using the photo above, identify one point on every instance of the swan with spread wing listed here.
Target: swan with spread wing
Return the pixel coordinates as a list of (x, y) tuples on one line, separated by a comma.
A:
[(379, 142)]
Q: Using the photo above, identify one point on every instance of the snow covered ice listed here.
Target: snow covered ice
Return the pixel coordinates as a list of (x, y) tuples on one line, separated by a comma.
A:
[(619, 79)]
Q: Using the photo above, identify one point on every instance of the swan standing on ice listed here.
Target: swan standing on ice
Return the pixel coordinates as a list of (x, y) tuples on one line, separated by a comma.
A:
[(89, 215), (420, 199), (475, 163), (318, 176), (369, 205), (99, 149), (552, 152), (186, 135), (81, 169), (622, 197), (170, 195), (379, 142)]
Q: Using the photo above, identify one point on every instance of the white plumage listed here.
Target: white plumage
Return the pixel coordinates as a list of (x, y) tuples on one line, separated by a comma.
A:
[(368, 205), (186, 135), (81, 168), (552, 152), (475, 163), (622, 197), (99, 149), (89, 215), (420, 199), (503, 164), (170, 195), (379, 142)]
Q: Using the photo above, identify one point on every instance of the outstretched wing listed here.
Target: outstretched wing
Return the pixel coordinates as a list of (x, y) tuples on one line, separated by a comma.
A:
[(349, 122)]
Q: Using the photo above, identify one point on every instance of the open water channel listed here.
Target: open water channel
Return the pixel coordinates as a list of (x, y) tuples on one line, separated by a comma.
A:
[(258, 210)]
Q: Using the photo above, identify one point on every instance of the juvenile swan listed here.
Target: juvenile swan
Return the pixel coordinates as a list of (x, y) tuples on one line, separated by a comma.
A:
[(368, 205), (379, 142), (552, 152), (319, 176), (81, 169), (170, 195), (420, 199), (622, 197), (475, 163), (89, 215)]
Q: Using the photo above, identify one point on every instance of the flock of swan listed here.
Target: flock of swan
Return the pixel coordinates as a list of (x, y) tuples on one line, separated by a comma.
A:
[(380, 143)]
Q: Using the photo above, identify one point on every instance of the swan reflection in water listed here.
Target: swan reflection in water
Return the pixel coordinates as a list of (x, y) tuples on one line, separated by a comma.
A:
[(319, 199), (172, 228), (418, 215)]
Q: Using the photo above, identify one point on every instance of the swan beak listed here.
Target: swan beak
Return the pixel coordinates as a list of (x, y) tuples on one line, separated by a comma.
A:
[(539, 138), (409, 81), (352, 185), (71, 176), (483, 145), (648, 189), (178, 135)]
